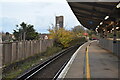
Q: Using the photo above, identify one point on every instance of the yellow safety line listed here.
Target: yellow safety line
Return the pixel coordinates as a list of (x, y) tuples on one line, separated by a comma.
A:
[(87, 65)]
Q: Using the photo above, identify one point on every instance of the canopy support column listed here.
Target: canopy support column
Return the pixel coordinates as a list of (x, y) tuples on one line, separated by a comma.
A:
[(114, 34)]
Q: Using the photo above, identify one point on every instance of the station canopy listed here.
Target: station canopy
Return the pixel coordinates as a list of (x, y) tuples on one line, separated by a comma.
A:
[(91, 14)]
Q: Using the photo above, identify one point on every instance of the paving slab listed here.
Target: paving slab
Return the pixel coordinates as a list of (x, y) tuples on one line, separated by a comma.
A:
[(103, 64)]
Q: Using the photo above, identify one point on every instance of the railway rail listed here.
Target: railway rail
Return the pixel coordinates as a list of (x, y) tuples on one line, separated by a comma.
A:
[(51, 68)]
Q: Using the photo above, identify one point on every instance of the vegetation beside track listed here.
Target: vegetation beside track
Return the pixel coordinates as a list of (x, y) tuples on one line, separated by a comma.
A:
[(62, 39), (66, 38), (13, 70)]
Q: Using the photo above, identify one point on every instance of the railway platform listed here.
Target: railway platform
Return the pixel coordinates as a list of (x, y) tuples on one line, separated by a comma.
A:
[(91, 61)]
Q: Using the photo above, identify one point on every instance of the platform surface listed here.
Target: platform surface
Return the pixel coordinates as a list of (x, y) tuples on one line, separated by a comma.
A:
[(102, 63)]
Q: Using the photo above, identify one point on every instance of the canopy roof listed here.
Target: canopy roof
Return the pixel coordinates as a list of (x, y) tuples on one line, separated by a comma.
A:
[(90, 14)]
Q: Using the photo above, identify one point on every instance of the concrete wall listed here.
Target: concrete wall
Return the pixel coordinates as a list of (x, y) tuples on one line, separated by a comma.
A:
[(16, 51), (109, 45)]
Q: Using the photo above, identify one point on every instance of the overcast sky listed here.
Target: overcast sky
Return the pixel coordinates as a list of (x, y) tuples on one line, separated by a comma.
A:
[(40, 13)]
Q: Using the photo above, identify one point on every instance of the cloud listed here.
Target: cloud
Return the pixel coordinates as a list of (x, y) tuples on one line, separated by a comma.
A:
[(8, 24), (93, 0), (50, 1), (41, 15)]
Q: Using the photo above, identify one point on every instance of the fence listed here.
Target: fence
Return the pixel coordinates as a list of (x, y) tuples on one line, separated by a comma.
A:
[(16, 51), (0, 62), (109, 45)]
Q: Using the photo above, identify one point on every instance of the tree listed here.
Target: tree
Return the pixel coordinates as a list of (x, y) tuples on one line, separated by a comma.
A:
[(23, 29), (61, 36), (92, 34), (78, 30), (25, 32)]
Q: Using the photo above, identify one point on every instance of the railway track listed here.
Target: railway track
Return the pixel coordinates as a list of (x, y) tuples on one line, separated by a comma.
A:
[(51, 68)]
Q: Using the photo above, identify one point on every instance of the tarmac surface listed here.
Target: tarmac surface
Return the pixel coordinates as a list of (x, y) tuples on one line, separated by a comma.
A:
[(96, 62)]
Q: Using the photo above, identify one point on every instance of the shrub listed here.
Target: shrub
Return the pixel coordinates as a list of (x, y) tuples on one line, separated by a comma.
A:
[(62, 37)]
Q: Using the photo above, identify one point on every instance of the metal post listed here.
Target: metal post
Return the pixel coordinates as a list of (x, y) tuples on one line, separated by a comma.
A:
[(105, 32), (102, 35), (114, 34)]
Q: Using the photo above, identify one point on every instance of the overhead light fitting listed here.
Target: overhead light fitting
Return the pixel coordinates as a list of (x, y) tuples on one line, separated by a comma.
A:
[(101, 23), (117, 27), (106, 17), (96, 29), (103, 29), (118, 6), (112, 28)]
